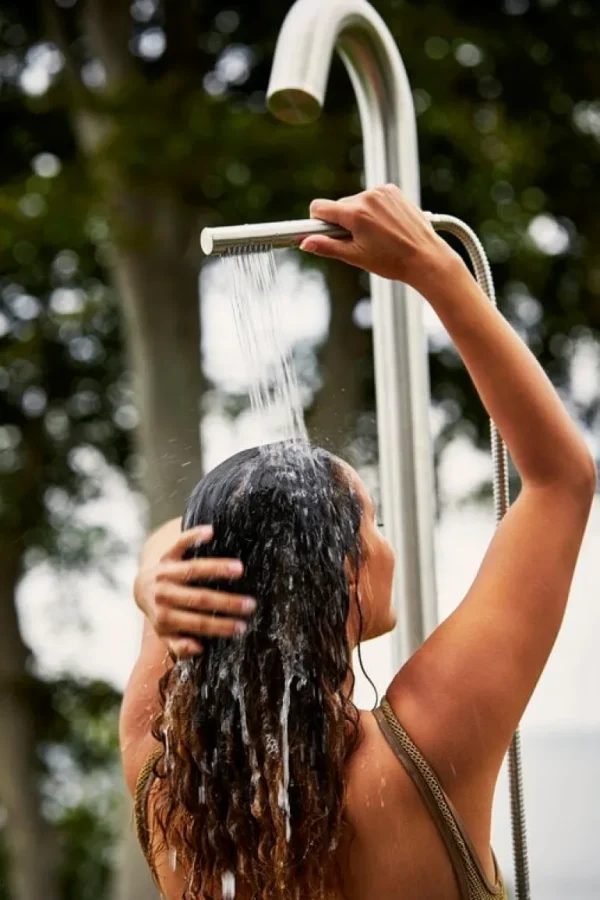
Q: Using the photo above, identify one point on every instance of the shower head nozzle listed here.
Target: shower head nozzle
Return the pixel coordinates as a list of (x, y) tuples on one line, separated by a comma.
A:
[(267, 235)]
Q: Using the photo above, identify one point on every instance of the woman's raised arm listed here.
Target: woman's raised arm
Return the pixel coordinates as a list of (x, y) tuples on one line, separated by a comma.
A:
[(463, 693)]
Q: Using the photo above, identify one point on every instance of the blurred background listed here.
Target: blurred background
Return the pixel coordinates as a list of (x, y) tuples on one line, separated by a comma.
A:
[(127, 127)]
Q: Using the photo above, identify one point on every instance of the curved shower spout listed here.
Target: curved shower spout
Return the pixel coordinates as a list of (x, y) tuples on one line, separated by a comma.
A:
[(310, 34)]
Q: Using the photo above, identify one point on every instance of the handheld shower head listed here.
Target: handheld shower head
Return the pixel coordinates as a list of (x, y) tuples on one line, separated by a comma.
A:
[(268, 234)]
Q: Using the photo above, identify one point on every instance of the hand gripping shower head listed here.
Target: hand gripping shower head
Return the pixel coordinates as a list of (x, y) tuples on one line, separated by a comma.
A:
[(266, 235)]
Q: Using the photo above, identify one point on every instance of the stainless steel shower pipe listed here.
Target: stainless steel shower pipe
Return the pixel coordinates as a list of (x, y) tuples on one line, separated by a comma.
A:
[(310, 34), (271, 234)]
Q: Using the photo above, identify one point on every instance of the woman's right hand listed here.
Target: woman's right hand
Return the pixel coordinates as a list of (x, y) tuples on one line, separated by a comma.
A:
[(180, 613), (390, 236)]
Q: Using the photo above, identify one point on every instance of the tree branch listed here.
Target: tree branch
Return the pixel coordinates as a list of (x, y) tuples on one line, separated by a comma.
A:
[(181, 31), (57, 23)]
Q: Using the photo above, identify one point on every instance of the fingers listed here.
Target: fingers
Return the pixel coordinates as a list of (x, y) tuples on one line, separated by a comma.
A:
[(174, 624), (198, 535), (187, 570), (331, 248), (202, 600), (338, 212)]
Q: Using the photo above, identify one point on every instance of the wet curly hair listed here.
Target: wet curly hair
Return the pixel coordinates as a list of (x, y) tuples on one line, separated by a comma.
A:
[(257, 730)]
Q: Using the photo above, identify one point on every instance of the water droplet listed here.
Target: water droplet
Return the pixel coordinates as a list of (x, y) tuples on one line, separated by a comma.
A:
[(168, 758), (284, 799), (228, 885), (184, 670), (265, 349)]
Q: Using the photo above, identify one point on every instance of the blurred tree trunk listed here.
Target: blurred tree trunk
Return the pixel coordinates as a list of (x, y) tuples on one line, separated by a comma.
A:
[(159, 292), (161, 307), (347, 351), (158, 287), (132, 879), (154, 264), (32, 851)]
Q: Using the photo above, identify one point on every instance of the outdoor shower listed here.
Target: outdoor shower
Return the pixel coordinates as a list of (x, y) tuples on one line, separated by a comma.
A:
[(308, 38)]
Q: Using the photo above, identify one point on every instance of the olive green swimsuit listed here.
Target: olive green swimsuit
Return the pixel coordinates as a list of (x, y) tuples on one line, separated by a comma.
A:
[(470, 876)]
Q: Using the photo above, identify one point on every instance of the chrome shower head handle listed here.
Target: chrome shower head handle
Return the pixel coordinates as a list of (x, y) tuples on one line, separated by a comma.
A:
[(268, 234)]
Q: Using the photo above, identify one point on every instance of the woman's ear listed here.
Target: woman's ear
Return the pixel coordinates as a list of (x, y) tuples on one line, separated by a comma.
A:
[(352, 578)]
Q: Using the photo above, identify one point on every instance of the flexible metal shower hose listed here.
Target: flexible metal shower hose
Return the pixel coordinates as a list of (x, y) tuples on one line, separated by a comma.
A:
[(484, 278)]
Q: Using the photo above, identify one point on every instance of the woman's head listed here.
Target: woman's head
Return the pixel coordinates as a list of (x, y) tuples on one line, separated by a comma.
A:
[(257, 731), (290, 512)]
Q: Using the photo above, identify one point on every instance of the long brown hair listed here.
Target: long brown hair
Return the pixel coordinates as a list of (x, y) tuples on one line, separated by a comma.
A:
[(257, 731)]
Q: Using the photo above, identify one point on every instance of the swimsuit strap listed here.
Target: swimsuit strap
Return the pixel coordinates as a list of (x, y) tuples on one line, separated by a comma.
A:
[(142, 790), (472, 880)]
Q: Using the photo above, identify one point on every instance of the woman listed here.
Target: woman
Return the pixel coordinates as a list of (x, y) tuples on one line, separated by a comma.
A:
[(259, 776)]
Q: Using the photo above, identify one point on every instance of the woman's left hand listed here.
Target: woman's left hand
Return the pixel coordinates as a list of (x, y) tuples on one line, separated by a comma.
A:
[(389, 236), (181, 613)]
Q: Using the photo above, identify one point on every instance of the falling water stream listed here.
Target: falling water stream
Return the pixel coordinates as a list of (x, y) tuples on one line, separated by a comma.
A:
[(265, 351), (284, 797), (274, 394), (252, 283)]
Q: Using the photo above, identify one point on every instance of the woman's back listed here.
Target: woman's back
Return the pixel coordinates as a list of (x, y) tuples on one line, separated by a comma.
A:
[(400, 851), (401, 848)]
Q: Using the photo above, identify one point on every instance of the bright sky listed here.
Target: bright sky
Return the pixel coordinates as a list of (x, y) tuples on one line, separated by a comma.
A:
[(82, 626)]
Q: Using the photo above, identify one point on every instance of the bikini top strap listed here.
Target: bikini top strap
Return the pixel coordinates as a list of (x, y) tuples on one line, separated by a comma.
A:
[(470, 875), (142, 790)]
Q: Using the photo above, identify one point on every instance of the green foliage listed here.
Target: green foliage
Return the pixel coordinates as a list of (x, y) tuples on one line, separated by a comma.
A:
[(81, 787), (81, 715), (61, 375), (82, 784), (89, 840), (506, 123)]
